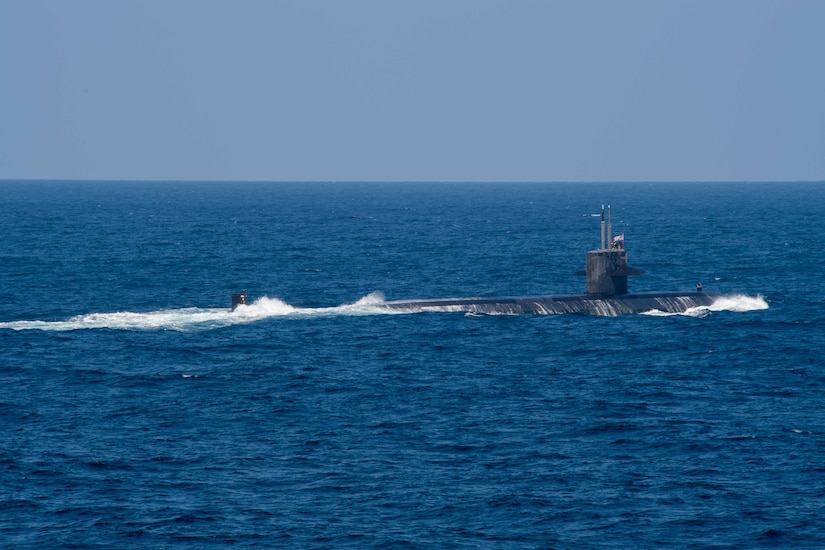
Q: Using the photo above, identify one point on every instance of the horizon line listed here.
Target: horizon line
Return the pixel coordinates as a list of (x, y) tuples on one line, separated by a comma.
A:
[(373, 181)]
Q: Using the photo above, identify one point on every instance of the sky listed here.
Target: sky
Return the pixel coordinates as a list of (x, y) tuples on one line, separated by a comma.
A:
[(423, 90)]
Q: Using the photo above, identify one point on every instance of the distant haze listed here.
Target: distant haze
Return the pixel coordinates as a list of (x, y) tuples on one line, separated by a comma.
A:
[(462, 90)]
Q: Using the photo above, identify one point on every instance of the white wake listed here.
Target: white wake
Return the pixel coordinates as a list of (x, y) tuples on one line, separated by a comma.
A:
[(190, 319), (193, 319)]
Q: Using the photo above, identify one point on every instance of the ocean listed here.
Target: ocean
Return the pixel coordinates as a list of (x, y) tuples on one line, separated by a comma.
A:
[(138, 411)]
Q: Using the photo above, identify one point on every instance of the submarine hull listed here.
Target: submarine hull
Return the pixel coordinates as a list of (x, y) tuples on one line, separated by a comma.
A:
[(669, 302)]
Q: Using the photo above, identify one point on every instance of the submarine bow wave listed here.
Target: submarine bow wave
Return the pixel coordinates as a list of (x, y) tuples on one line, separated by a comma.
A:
[(738, 303)]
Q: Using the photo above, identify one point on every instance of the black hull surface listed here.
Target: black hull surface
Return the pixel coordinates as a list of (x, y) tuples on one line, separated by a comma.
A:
[(669, 302)]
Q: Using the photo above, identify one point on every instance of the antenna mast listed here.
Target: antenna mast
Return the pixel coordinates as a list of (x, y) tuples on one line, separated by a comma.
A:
[(609, 229)]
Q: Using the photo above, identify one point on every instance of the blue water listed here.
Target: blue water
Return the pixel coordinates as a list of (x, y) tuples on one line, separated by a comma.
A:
[(137, 411)]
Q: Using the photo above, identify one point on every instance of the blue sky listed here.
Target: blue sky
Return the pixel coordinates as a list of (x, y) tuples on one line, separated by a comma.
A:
[(424, 90)]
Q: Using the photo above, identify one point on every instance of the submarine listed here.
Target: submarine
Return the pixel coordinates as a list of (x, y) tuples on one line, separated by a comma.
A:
[(238, 299), (606, 273), (606, 291)]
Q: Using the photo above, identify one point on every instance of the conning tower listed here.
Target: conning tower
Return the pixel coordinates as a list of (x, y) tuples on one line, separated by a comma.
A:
[(606, 269)]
